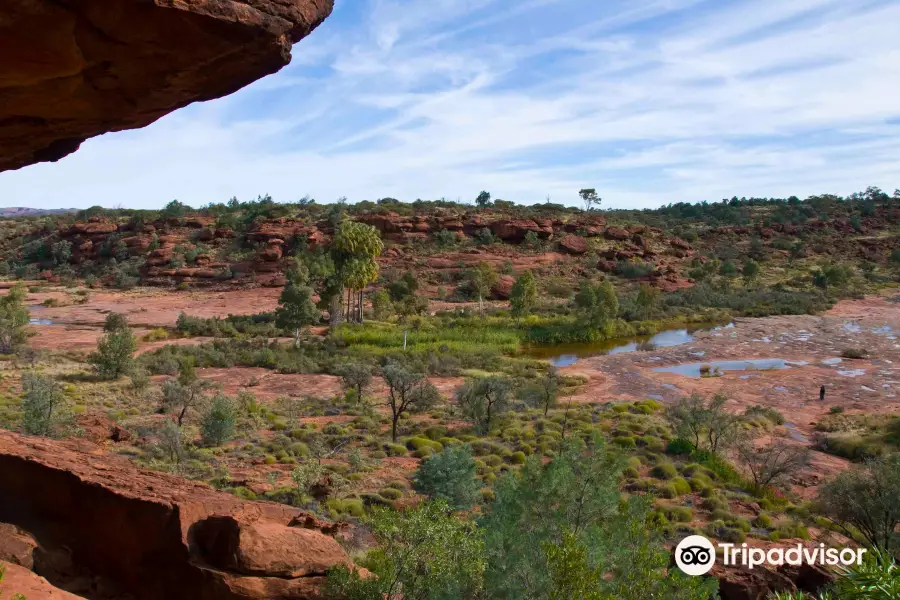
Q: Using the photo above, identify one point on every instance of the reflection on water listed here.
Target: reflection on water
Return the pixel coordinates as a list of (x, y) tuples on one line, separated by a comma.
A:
[(565, 355), (717, 367), (40, 322)]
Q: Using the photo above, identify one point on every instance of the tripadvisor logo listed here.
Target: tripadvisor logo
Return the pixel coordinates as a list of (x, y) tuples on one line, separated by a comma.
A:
[(696, 555)]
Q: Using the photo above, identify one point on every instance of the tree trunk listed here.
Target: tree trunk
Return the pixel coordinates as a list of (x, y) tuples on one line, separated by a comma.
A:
[(360, 306), (181, 415), (480, 304), (349, 314), (335, 310), (394, 419), (404, 339)]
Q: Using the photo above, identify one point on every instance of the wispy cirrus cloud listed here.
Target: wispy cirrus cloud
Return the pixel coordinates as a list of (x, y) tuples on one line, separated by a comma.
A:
[(650, 101)]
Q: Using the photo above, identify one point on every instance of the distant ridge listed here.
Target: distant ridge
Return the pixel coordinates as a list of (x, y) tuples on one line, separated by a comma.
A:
[(24, 211)]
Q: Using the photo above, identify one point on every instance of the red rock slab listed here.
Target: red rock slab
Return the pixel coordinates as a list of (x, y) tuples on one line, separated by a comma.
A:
[(74, 69)]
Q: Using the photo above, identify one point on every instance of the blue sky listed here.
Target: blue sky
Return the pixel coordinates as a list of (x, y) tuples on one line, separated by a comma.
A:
[(649, 101)]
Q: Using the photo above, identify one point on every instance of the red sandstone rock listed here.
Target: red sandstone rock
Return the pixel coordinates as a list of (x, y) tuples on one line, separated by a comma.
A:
[(616, 233), (76, 69), (679, 243), (573, 244), (19, 580), (148, 532), (16, 546)]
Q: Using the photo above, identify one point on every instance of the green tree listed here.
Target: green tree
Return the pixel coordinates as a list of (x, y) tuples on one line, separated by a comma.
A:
[(481, 278), (356, 377), (408, 390), (13, 319), (483, 199), (568, 516), (450, 476), (218, 422), (523, 296), (706, 424), (597, 304), (864, 502), (44, 405), (296, 310), (647, 299), (382, 307), (354, 250), (184, 392), (750, 270), (115, 321), (62, 252), (170, 441), (483, 398), (423, 553), (543, 392), (115, 354), (590, 198)]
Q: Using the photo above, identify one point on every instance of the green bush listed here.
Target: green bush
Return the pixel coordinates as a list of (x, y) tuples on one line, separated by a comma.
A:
[(450, 476), (763, 521), (394, 449), (625, 442), (679, 446), (665, 470), (680, 485), (390, 493)]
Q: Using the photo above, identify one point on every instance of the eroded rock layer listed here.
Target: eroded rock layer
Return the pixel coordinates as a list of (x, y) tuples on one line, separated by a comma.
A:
[(99, 523), (74, 69)]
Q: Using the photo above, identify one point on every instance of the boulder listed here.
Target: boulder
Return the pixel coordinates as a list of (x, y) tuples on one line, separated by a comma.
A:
[(138, 529), (16, 546), (515, 230), (573, 244), (76, 69), (617, 234), (679, 243), (741, 583), (266, 548)]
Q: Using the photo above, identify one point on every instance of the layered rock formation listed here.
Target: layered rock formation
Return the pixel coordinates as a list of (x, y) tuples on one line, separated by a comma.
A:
[(74, 69), (97, 526)]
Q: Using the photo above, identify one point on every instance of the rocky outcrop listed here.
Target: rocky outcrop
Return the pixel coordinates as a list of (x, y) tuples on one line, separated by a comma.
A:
[(74, 69), (573, 244), (741, 583), (19, 580), (152, 535)]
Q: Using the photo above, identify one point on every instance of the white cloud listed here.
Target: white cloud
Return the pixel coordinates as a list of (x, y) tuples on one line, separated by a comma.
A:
[(648, 101)]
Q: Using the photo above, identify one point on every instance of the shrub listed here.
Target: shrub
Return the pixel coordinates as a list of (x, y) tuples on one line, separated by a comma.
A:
[(390, 493), (679, 446), (115, 353), (625, 442), (450, 476), (394, 449), (854, 353), (218, 423), (680, 485), (664, 470), (518, 458), (43, 405), (763, 521)]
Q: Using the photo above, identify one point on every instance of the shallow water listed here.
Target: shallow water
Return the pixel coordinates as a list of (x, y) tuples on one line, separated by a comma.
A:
[(565, 355), (795, 433), (720, 366), (40, 322)]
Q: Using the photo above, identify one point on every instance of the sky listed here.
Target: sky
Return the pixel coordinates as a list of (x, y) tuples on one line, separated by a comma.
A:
[(649, 101)]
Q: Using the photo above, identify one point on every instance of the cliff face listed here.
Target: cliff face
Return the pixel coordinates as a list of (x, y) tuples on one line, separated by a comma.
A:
[(74, 69)]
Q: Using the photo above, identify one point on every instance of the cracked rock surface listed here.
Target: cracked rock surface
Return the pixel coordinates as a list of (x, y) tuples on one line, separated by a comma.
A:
[(74, 69)]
